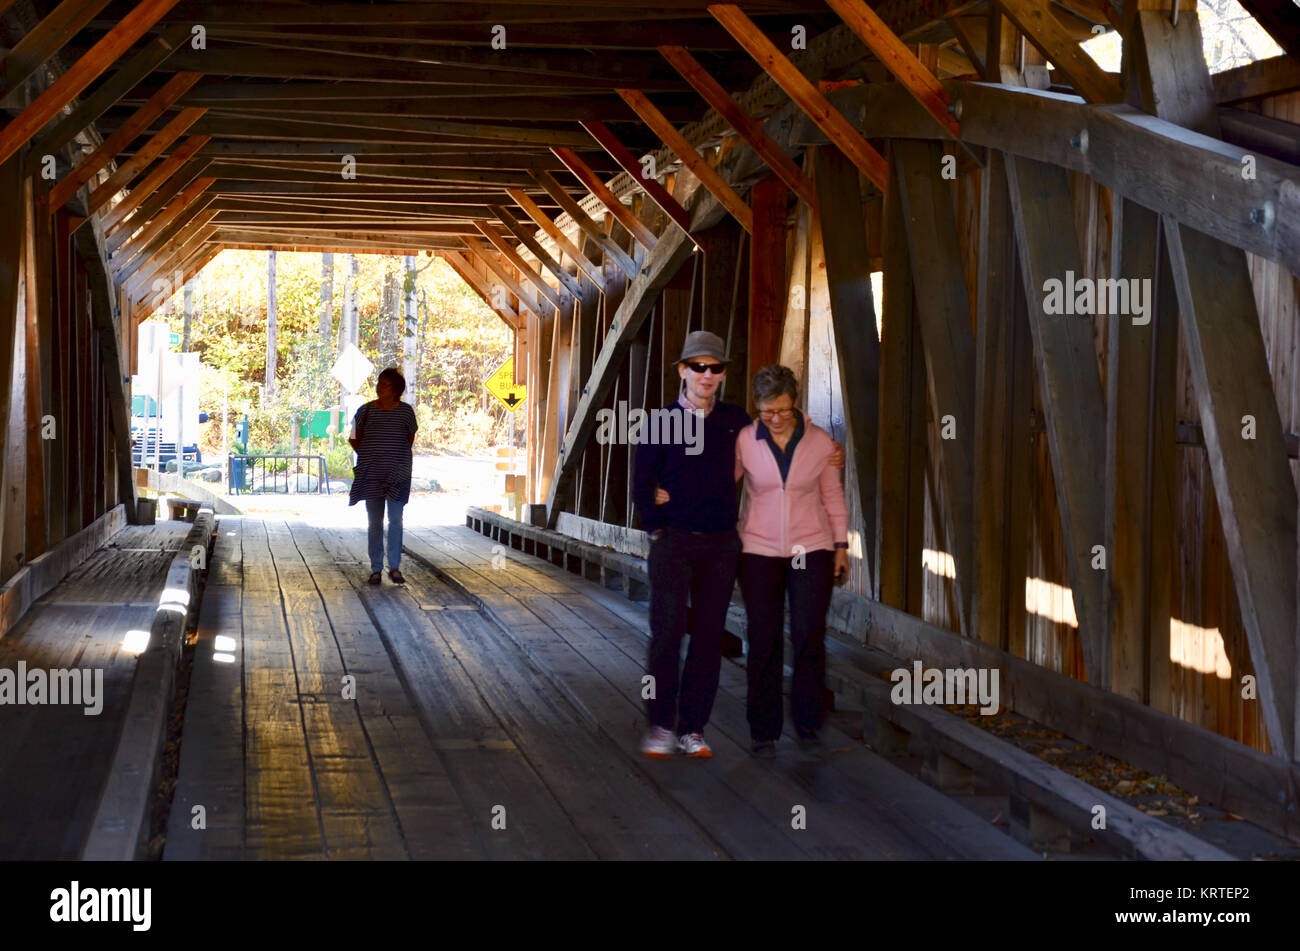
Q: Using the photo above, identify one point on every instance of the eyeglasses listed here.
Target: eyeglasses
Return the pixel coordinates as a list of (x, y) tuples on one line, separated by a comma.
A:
[(776, 413), (717, 369)]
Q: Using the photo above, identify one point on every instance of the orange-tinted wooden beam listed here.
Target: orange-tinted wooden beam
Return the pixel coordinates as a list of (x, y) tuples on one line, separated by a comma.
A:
[(142, 159), (45, 39), (191, 192), (591, 181), (81, 74), (805, 95), (1035, 19), (692, 159), (526, 299), (165, 170), (140, 120), (630, 164), (898, 59), (196, 263), (748, 129), (552, 230), (480, 286), (511, 255), (544, 258)]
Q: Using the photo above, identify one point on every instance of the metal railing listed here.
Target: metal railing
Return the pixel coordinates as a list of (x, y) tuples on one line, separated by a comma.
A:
[(242, 475)]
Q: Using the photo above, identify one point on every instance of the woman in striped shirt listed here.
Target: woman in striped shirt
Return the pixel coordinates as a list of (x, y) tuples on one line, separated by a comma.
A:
[(383, 431)]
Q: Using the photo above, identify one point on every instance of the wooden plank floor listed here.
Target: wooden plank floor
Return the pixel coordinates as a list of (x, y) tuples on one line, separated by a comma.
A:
[(54, 759), (329, 719)]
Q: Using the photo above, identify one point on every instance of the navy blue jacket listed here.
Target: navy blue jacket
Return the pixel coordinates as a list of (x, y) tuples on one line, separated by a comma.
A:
[(701, 488)]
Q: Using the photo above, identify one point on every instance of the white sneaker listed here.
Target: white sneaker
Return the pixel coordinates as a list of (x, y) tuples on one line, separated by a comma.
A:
[(692, 744), (658, 743)]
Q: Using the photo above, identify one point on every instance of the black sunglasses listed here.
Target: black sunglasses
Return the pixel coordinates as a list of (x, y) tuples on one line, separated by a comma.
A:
[(717, 369)]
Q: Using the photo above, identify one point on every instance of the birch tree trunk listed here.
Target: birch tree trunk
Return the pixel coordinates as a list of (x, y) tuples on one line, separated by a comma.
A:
[(410, 362), (270, 325), (326, 296)]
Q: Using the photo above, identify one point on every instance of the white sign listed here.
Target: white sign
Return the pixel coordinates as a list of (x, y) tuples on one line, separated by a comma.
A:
[(352, 368)]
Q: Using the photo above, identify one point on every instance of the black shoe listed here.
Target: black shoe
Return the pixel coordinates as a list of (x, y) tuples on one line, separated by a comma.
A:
[(810, 743), (764, 749), (376, 577)]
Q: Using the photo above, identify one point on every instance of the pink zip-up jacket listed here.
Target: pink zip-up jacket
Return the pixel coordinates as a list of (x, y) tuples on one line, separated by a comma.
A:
[(808, 510)]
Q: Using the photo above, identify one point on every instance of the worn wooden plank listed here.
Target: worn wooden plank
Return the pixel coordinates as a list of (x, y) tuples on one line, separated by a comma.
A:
[(853, 314), (943, 311), (1035, 20), (1252, 479), (899, 503), (1070, 385)]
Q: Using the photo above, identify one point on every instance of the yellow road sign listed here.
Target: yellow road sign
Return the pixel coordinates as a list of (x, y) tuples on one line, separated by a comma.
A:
[(501, 384)]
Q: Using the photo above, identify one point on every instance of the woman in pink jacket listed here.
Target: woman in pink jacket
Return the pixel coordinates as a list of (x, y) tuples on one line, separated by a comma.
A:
[(793, 532)]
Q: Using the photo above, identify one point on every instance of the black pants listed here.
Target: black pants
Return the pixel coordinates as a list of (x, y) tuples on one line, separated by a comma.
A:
[(701, 567), (764, 582)]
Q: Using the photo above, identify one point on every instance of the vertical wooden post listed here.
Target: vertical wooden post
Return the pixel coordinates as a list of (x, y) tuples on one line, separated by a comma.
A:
[(13, 209), (1002, 404), (37, 529), (900, 495), (766, 273), (853, 315)]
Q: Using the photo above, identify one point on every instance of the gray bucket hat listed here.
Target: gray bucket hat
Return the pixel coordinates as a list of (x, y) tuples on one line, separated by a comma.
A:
[(701, 343)]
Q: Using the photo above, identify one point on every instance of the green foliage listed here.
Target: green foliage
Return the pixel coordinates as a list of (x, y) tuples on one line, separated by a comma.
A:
[(460, 342)]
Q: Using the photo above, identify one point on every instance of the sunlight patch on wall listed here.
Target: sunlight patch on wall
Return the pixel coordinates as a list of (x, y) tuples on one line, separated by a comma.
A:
[(1198, 648), (1049, 600)]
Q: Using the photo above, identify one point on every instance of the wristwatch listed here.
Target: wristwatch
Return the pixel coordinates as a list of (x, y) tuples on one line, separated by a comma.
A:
[(844, 545)]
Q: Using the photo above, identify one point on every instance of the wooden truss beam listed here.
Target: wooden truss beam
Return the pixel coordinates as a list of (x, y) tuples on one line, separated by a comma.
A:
[(870, 162), (944, 312), (706, 173), (1070, 386), (1259, 215), (165, 169), (140, 120), (853, 316), (1234, 388), (552, 230), (20, 130), (480, 286), (141, 160), (44, 40), (522, 266), (525, 237), (584, 221), (526, 297), (748, 129), (628, 162), (591, 181), (112, 90), (899, 60), (1035, 19)]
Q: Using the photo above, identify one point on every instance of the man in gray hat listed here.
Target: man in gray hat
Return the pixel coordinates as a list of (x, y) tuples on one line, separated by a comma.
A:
[(694, 549)]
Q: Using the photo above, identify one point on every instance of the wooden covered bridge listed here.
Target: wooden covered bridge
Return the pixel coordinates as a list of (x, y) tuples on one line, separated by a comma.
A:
[(1049, 309)]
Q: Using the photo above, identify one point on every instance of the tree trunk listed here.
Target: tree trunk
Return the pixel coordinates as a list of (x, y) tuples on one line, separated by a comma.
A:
[(189, 316), (326, 296), (389, 318), (409, 362), (270, 325)]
